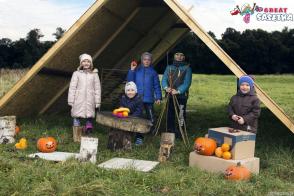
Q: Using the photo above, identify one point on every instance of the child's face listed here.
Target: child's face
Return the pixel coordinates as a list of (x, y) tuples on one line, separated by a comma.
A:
[(146, 61), (245, 87), (131, 93), (86, 64), (179, 57)]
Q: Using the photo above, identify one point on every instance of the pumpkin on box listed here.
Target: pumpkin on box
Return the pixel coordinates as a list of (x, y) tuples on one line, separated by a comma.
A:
[(205, 146), (240, 143)]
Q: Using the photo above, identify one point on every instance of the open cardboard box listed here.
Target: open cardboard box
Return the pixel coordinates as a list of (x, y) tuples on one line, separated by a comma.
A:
[(242, 143)]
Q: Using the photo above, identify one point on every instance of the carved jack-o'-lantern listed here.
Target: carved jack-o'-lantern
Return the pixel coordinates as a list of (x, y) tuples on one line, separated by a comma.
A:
[(47, 144)]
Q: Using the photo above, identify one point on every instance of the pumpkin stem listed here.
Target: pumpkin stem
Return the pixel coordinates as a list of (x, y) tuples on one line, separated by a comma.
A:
[(238, 164)]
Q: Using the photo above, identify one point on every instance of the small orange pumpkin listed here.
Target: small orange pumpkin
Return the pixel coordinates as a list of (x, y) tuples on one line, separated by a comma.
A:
[(227, 155), (218, 152), (17, 129), (205, 146), (225, 147), (47, 144), (237, 172)]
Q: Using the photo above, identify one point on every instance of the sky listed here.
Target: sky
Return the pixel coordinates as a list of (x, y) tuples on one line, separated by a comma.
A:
[(18, 17)]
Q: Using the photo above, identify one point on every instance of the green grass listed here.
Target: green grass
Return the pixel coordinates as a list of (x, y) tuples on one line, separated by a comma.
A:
[(207, 108)]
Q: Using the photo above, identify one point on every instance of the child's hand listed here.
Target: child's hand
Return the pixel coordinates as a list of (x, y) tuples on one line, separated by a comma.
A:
[(174, 92), (133, 65), (168, 90), (235, 117), (157, 101), (241, 120)]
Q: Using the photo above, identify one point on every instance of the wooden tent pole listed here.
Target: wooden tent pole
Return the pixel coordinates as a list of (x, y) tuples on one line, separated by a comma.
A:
[(228, 61)]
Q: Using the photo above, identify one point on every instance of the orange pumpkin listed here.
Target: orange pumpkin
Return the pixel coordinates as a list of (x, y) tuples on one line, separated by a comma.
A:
[(225, 147), (237, 172), (47, 144), (205, 146), (17, 129), (227, 155), (218, 152)]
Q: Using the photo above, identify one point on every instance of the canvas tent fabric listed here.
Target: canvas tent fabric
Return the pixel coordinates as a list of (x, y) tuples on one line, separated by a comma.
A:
[(114, 33)]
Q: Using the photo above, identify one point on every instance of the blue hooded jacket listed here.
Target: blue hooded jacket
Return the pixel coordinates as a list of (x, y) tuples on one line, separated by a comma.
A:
[(147, 81), (182, 76)]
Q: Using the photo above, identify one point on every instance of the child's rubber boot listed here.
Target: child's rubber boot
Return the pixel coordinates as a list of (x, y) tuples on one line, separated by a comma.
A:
[(89, 127), (76, 122)]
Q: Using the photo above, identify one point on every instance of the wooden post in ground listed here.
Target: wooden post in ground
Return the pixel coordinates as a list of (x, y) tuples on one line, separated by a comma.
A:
[(166, 143), (77, 133)]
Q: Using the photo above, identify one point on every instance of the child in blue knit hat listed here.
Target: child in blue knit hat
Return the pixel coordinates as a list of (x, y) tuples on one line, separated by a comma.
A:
[(244, 107)]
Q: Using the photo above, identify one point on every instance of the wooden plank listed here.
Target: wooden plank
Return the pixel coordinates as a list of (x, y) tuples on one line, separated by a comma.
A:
[(45, 108), (52, 51), (228, 61), (115, 34)]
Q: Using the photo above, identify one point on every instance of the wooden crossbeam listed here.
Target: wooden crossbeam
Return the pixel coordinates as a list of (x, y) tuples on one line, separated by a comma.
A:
[(55, 72), (228, 61)]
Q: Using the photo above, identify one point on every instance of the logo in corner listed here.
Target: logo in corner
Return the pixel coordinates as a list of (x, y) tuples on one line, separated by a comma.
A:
[(246, 11), (273, 14)]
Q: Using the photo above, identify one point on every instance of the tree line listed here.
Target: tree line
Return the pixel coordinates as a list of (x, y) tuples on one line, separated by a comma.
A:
[(256, 51), (26, 51)]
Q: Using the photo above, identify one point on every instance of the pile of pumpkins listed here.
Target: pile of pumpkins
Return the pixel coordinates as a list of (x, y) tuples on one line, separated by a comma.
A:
[(44, 144), (208, 147), (121, 112)]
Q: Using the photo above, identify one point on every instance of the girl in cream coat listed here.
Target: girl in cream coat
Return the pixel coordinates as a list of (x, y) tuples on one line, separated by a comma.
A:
[(84, 93)]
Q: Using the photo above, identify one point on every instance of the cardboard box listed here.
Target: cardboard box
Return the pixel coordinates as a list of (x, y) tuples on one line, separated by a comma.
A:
[(242, 143), (215, 164)]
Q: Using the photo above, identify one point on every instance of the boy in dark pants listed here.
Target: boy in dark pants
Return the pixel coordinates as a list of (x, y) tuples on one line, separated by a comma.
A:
[(176, 81), (147, 81), (244, 107)]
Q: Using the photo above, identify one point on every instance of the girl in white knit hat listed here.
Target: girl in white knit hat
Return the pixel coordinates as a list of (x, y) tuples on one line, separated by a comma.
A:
[(84, 93)]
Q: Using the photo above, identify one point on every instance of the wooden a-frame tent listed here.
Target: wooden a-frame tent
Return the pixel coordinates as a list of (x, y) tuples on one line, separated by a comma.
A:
[(113, 32)]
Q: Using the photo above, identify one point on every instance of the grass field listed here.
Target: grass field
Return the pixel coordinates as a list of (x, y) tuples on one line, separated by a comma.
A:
[(207, 108)]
